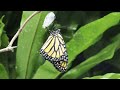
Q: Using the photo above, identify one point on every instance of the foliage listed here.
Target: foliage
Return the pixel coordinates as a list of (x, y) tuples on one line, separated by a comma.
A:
[(92, 40), (106, 76)]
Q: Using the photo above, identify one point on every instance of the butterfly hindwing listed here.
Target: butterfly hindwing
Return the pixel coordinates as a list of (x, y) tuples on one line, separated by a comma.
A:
[(54, 50)]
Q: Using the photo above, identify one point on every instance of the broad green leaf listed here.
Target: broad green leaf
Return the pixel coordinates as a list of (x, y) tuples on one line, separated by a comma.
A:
[(86, 35), (29, 43), (105, 54), (46, 71), (3, 72), (106, 76), (84, 38), (25, 15)]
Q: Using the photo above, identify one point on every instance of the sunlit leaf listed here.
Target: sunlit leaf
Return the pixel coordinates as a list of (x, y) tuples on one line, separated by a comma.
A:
[(29, 42), (106, 76), (106, 54)]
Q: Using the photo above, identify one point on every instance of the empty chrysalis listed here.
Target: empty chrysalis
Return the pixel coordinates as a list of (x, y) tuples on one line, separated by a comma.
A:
[(48, 19)]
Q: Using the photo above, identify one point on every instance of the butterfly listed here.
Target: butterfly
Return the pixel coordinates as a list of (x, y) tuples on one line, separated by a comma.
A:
[(54, 50)]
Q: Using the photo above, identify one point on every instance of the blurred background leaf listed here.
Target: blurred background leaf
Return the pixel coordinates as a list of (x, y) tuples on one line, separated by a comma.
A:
[(1, 29), (3, 72), (11, 22), (3, 56)]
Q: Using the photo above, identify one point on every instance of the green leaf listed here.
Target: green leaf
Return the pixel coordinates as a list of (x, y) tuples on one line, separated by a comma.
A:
[(87, 34), (3, 43), (25, 15), (4, 40), (71, 21), (1, 28), (4, 60), (115, 62), (84, 38), (46, 71), (3, 72), (29, 43), (105, 54), (106, 76)]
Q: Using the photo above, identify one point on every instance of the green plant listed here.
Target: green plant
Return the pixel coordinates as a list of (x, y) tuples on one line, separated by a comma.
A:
[(92, 41)]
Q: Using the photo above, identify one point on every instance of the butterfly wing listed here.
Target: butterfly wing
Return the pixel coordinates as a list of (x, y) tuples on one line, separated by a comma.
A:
[(61, 63), (54, 50), (47, 49)]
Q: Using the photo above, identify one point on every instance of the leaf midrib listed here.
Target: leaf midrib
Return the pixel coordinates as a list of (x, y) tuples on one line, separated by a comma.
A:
[(27, 68)]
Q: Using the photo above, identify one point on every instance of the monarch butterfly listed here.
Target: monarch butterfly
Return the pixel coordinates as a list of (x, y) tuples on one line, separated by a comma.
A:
[(54, 50)]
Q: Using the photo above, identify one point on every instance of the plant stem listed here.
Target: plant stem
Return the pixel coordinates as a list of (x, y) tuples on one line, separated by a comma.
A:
[(21, 28), (10, 47)]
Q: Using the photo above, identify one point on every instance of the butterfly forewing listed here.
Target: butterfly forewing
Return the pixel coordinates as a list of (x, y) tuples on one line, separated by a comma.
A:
[(50, 38)]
